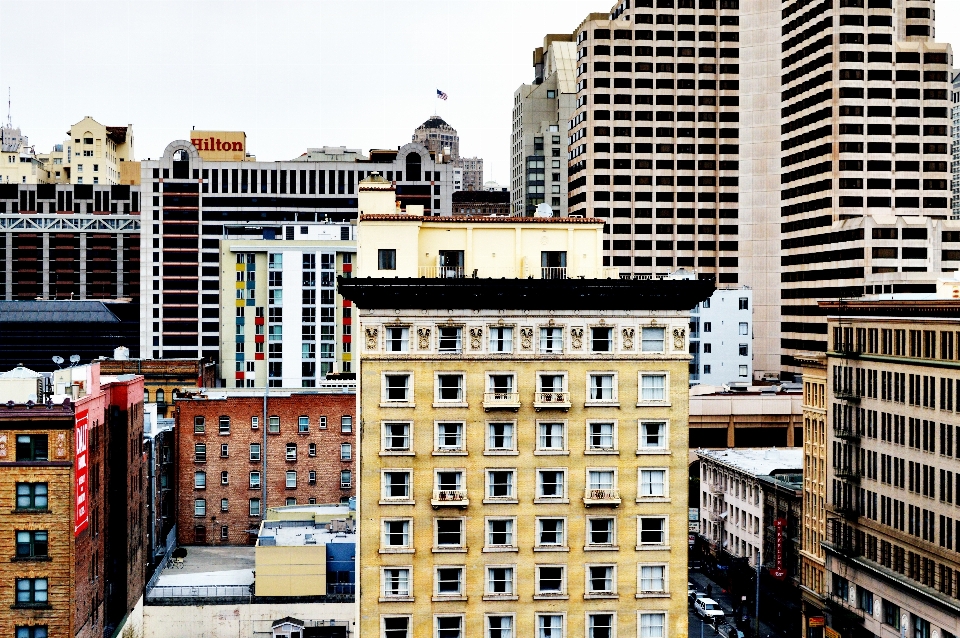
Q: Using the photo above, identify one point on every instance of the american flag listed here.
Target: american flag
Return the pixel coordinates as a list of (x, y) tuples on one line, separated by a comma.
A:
[(441, 94)]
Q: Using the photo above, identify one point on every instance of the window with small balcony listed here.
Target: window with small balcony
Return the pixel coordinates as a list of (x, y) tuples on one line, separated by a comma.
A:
[(449, 389), (501, 339), (551, 533), (551, 484), (652, 340), (396, 388), (397, 485), (652, 579), (550, 581), (450, 339), (653, 437), (601, 339), (652, 531), (601, 437), (601, 532), (398, 339), (500, 581), (601, 387), (500, 437), (396, 582), (396, 436), (449, 581), (397, 534), (551, 340), (449, 534), (501, 392), (602, 484), (653, 483), (601, 581), (653, 388), (500, 533), (449, 486), (501, 485), (551, 391)]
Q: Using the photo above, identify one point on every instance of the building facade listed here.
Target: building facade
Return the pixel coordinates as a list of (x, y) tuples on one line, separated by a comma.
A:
[(162, 378), (538, 168), (955, 147), (242, 451), (890, 552), (92, 153), (472, 172), (521, 523), (721, 338), (438, 137), (741, 416)]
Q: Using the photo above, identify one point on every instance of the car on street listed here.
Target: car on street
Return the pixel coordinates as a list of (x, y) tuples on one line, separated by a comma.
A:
[(708, 609), (694, 595), (729, 631)]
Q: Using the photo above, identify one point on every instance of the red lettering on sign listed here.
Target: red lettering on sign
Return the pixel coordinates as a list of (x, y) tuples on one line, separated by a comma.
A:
[(81, 433)]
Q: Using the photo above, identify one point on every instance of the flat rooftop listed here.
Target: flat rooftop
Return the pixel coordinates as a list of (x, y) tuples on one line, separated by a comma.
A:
[(759, 461), (301, 533)]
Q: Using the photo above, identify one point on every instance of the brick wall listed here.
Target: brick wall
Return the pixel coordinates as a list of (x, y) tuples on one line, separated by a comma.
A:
[(326, 463)]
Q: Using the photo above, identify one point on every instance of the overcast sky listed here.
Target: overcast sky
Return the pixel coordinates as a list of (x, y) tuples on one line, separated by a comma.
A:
[(361, 74)]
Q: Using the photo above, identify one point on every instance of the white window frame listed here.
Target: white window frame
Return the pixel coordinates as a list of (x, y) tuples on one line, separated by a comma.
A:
[(512, 451), (589, 449), (641, 546), (404, 339), (255, 485), (489, 547), (613, 620), (457, 549), (612, 343), (641, 498), (488, 594), (514, 488), (388, 500), (291, 474), (564, 381), (541, 340), (563, 594), (589, 593), (665, 633), (383, 625), (385, 596), (388, 403), (562, 615), (653, 593), (641, 402), (461, 583), (562, 498), (663, 342), (385, 547), (613, 470), (491, 341), (614, 390), (643, 449), (461, 401), (564, 450), (449, 451), (387, 451), (613, 545), (459, 346), (513, 623), (562, 546), (436, 623)]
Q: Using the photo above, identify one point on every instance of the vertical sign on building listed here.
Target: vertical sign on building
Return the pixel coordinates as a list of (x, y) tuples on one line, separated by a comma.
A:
[(778, 571), (81, 434)]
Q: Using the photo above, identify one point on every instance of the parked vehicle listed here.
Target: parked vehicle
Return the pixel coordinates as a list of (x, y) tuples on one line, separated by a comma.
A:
[(708, 609), (695, 595), (729, 631)]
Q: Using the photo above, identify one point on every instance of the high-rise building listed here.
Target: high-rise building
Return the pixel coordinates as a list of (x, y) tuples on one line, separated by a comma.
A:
[(472, 172), (955, 148), (892, 525), (494, 474), (538, 165), (438, 137), (721, 335), (91, 154)]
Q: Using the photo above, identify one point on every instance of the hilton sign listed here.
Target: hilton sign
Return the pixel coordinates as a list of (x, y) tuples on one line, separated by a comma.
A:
[(215, 144), (220, 146)]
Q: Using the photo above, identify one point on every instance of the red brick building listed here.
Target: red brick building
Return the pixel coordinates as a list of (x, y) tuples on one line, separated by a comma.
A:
[(70, 466), (240, 451)]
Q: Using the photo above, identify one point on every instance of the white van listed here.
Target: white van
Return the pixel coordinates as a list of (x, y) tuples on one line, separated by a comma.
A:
[(708, 608)]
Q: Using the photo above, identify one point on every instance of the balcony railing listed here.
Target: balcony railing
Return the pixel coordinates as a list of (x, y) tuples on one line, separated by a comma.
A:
[(501, 401), (846, 432), (601, 497), (848, 510), (551, 400), (848, 350), (847, 395), (456, 498), (558, 272), (848, 474)]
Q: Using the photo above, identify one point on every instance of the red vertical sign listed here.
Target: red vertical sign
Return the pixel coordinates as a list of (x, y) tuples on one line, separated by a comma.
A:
[(778, 571), (81, 434)]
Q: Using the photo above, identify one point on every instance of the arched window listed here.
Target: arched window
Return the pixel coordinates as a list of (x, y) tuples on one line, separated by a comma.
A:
[(160, 395), (181, 164), (413, 167)]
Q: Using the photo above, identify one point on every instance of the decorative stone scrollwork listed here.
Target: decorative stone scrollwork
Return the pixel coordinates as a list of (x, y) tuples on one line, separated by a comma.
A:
[(679, 338), (423, 338), (526, 338), (476, 338), (371, 338), (576, 338), (628, 334)]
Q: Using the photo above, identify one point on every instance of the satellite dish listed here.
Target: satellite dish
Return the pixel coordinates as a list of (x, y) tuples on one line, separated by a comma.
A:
[(543, 210), (74, 359), (58, 360)]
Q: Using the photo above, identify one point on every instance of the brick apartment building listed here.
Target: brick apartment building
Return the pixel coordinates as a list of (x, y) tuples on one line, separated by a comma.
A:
[(72, 470), (241, 451)]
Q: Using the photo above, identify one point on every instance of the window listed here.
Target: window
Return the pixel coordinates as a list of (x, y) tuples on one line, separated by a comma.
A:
[(743, 371), (450, 339), (707, 326), (224, 533), (653, 483), (652, 339), (601, 339), (199, 507), (387, 259), (865, 600), (396, 582), (600, 531), (551, 340), (497, 627), (31, 544), (199, 425), (501, 339), (346, 479), (200, 452), (396, 436), (396, 534), (224, 505), (312, 477), (653, 530), (551, 532), (449, 581), (600, 626), (254, 507), (551, 437), (653, 388), (500, 581), (550, 484), (398, 627), (346, 451), (303, 425), (450, 388), (31, 591), (744, 351), (449, 533), (33, 631), (346, 424), (450, 437), (255, 480), (398, 339), (604, 480), (32, 447), (600, 580), (224, 425), (255, 423), (254, 451), (224, 450), (551, 580), (200, 480), (743, 330), (602, 387), (549, 626), (311, 449), (744, 303), (652, 579), (291, 479), (653, 436), (652, 625), (396, 387), (275, 261), (500, 485), (601, 437), (396, 485), (291, 454), (891, 614), (449, 626), (500, 437), (31, 496)]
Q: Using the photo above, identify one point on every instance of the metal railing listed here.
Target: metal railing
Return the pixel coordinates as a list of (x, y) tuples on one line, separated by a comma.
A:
[(847, 395), (846, 432), (609, 495), (848, 474), (199, 591), (451, 496), (552, 398), (553, 272)]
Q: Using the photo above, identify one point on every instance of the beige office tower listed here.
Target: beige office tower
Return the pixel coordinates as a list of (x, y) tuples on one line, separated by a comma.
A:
[(541, 113)]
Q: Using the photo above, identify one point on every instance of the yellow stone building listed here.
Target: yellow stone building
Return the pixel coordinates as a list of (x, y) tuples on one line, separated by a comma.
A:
[(92, 153), (523, 456)]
